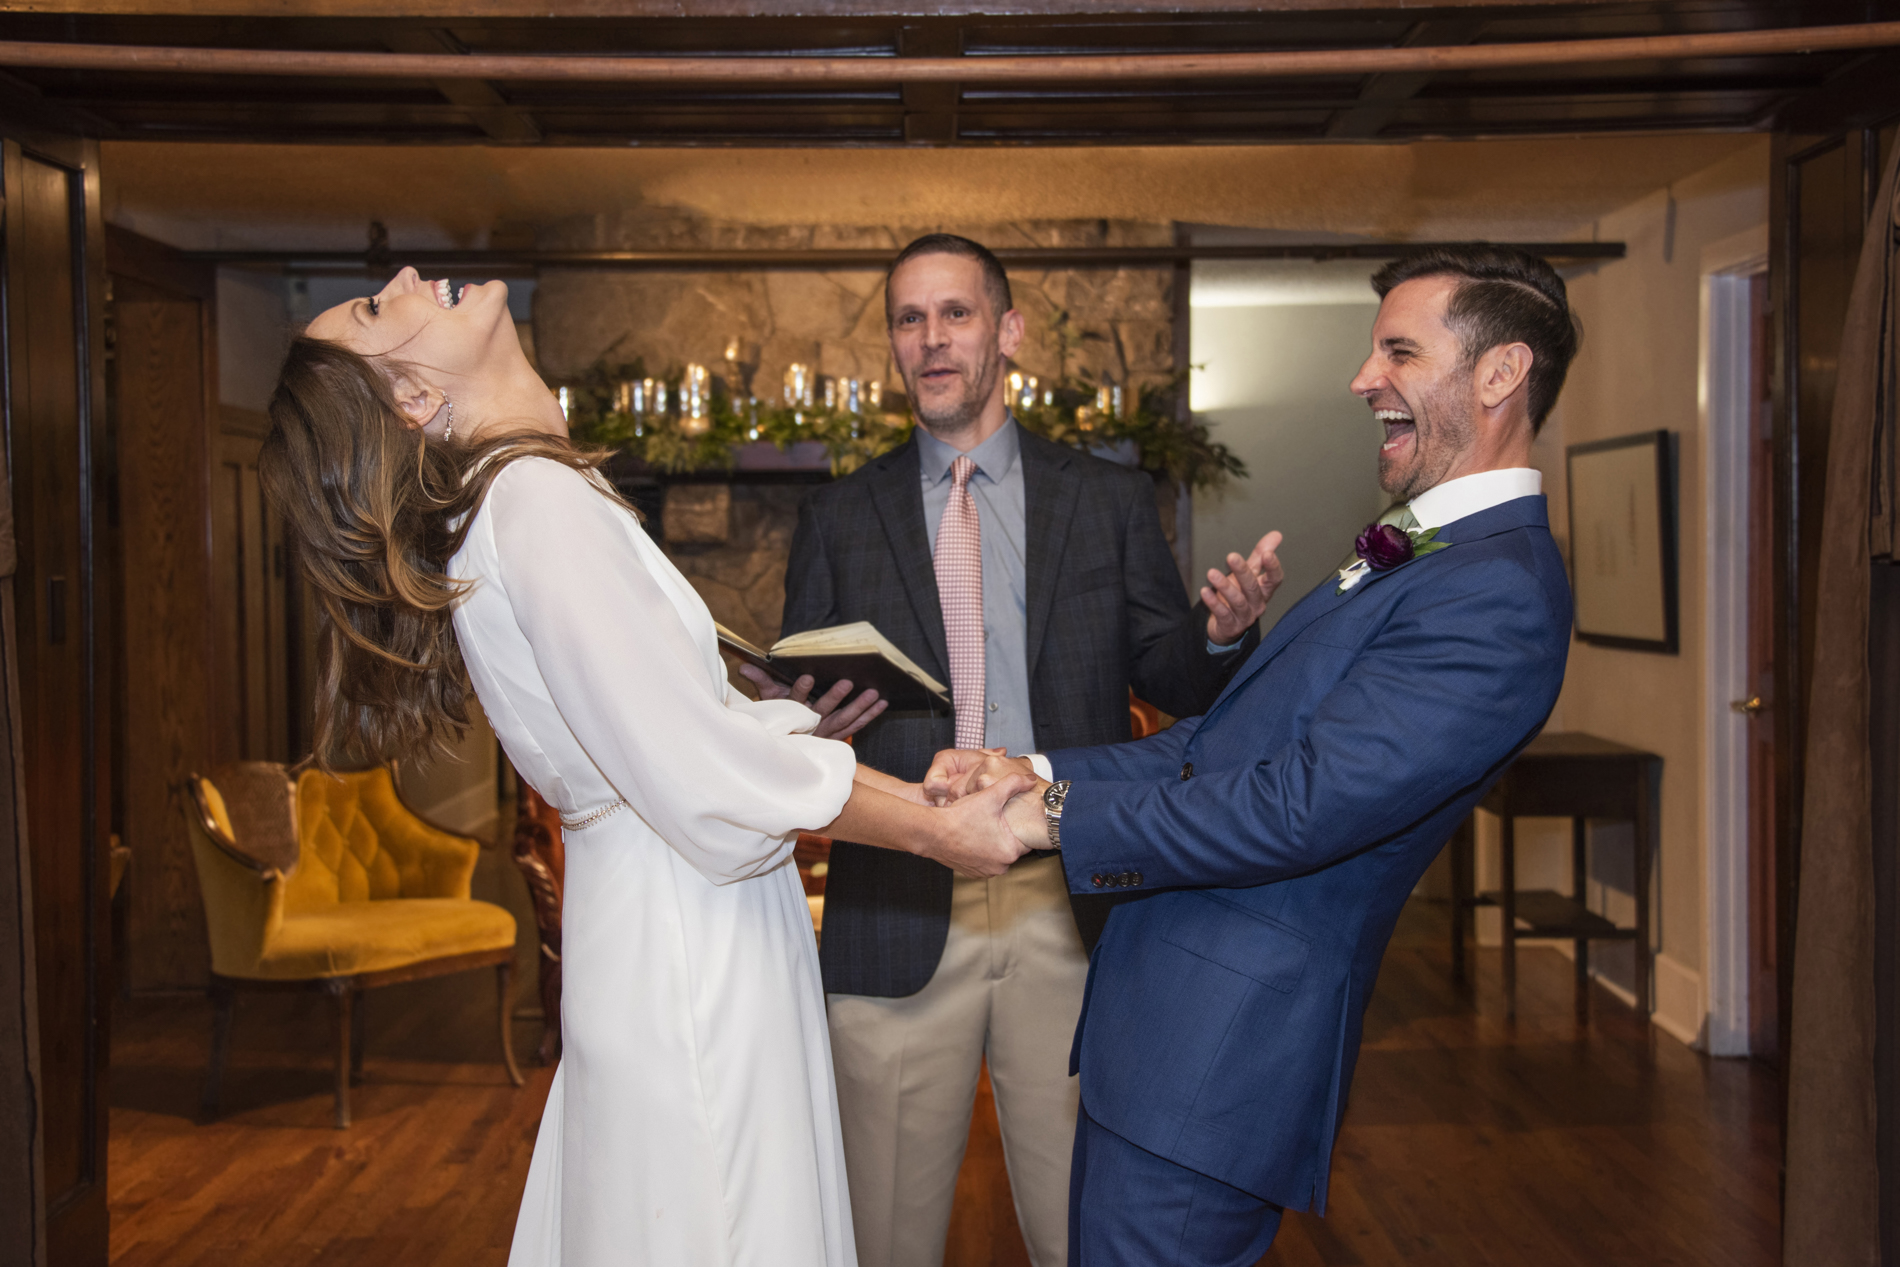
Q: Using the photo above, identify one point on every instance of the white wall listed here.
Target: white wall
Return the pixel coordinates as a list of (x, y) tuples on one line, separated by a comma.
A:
[(1274, 387), (1639, 370)]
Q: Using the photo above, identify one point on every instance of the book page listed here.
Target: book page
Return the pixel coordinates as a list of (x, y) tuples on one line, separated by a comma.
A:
[(734, 641), (859, 638)]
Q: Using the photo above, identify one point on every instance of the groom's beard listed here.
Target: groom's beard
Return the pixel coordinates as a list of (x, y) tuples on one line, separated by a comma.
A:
[(1444, 428), (945, 418)]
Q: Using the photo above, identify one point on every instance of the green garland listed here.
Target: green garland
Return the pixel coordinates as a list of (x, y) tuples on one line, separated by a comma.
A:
[(1184, 452)]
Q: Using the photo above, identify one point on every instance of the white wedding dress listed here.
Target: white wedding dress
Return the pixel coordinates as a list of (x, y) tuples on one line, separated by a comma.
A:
[(693, 1119)]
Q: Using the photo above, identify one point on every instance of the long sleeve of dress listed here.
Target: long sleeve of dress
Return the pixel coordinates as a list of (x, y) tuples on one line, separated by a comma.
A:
[(726, 781)]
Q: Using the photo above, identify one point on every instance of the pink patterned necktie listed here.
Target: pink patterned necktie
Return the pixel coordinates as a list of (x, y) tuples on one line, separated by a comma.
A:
[(959, 564)]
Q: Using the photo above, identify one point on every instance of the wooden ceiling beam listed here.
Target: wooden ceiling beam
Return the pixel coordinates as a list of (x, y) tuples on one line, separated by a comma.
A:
[(450, 11), (485, 107), (1380, 99), (1085, 68), (851, 260)]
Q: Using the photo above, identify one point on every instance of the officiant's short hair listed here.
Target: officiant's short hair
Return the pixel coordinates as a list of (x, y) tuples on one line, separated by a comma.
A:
[(995, 280), (1506, 295)]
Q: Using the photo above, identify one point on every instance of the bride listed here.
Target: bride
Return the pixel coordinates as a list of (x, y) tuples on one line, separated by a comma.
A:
[(456, 541)]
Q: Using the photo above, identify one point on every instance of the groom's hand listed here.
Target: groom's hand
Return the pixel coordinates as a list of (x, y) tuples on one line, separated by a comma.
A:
[(834, 722), (1237, 599), (977, 837), (957, 772)]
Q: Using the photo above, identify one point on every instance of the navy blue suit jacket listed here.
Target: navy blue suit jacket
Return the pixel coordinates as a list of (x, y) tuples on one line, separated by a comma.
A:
[(1275, 839)]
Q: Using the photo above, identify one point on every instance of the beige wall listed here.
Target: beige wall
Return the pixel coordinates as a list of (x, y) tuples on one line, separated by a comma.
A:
[(1272, 381), (1639, 371)]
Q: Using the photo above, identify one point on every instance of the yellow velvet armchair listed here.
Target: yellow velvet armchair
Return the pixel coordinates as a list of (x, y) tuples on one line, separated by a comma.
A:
[(330, 883)]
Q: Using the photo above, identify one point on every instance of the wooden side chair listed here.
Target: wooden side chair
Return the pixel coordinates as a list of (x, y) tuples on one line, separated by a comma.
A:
[(330, 883), (541, 854)]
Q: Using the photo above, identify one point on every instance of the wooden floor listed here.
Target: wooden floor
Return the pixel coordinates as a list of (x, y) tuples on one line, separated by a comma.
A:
[(1469, 1141)]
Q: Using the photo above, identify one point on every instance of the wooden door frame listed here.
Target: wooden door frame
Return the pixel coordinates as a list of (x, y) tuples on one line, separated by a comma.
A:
[(45, 1231), (1725, 408)]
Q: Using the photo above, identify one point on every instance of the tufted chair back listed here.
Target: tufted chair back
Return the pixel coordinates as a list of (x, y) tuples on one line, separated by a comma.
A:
[(360, 843)]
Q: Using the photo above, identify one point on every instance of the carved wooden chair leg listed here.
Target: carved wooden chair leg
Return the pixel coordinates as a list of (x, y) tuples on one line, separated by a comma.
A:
[(550, 1049), (223, 1002), (504, 983), (359, 1034), (342, 992)]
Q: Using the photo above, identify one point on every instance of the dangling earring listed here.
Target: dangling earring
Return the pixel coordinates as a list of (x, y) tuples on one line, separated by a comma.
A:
[(448, 428)]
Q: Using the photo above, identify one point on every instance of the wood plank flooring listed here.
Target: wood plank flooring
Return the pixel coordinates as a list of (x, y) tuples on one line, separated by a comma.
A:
[(1469, 1141)]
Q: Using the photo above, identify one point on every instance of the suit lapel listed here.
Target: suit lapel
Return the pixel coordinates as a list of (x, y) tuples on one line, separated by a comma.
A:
[(1323, 600), (1051, 485), (897, 495)]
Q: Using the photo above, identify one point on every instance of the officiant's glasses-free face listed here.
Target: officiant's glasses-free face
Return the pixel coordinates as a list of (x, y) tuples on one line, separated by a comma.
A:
[(949, 342), (1420, 388)]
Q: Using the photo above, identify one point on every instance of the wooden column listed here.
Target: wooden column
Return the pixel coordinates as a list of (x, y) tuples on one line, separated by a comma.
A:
[(166, 397)]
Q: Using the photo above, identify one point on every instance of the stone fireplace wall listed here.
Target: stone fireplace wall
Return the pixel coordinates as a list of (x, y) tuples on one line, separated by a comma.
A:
[(732, 540)]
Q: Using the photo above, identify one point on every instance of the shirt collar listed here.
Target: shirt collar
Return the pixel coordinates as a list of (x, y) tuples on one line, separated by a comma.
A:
[(994, 457), (1469, 494)]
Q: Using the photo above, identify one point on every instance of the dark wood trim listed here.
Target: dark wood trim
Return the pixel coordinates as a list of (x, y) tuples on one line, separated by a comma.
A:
[(159, 264), (1783, 277), (1037, 69), (647, 9), (836, 261), (22, 1221)]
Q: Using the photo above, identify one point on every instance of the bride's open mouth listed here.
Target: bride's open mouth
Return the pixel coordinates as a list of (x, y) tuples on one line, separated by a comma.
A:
[(446, 294)]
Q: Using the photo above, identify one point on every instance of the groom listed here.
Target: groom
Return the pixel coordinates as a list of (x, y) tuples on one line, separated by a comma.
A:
[(1272, 842)]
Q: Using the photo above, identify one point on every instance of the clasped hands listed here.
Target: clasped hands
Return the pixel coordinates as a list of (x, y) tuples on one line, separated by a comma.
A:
[(998, 802)]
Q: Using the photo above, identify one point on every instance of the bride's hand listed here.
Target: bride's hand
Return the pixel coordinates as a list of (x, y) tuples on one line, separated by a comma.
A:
[(974, 837), (958, 772)]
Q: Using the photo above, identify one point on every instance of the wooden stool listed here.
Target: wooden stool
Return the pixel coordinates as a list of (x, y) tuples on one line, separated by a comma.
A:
[(1579, 777)]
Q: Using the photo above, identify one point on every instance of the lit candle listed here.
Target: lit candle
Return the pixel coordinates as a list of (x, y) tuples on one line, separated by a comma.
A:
[(566, 397), (695, 401), (877, 394), (853, 395)]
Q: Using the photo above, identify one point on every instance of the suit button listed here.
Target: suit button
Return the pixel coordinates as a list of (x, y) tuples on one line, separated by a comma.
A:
[(1187, 771), (1122, 880), (1098, 881), (1137, 879)]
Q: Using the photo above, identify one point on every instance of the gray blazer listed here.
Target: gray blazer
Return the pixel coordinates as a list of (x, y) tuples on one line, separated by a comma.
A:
[(1106, 612)]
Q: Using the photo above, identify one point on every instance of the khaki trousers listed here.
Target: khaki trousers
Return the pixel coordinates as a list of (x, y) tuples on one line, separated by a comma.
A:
[(1009, 989)]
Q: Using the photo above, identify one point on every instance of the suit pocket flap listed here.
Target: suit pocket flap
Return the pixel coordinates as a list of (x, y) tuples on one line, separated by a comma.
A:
[(1252, 945)]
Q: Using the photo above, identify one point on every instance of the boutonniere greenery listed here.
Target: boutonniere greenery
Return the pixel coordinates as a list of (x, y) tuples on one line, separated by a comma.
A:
[(1382, 547)]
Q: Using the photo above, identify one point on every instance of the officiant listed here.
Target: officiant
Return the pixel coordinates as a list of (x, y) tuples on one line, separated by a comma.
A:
[(1035, 579)]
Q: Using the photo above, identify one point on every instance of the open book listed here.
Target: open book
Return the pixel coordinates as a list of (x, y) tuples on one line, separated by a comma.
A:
[(857, 651)]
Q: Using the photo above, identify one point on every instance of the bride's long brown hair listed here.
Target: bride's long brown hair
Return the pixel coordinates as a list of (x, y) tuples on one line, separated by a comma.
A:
[(376, 510)]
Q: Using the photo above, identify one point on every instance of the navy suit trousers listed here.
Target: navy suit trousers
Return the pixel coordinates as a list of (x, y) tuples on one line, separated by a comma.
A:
[(1129, 1207)]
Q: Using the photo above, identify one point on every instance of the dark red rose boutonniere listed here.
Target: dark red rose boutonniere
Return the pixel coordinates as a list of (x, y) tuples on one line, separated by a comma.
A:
[(1382, 547)]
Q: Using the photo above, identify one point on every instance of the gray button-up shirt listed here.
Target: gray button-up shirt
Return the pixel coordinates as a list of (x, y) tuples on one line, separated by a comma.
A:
[(997, 489)]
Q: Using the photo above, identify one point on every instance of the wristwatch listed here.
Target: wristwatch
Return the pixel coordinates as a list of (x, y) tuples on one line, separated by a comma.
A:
[(1052, 798)]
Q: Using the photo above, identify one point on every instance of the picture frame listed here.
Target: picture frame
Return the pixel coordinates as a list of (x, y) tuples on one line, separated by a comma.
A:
[(1623, 542)]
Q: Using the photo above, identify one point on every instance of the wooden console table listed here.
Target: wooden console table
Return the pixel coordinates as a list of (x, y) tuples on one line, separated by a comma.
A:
[(1575, 776)]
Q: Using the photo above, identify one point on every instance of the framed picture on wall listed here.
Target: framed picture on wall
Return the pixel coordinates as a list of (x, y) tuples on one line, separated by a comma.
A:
[(1623, 541)]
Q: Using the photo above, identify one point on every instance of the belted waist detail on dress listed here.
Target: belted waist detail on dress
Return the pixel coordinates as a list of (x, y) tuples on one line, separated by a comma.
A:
[(581, 820)]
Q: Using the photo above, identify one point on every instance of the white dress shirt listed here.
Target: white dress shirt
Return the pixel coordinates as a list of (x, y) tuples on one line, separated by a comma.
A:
[(1469, 494)]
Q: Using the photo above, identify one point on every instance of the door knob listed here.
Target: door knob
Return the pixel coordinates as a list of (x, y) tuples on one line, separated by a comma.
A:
[(1748, 707)]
